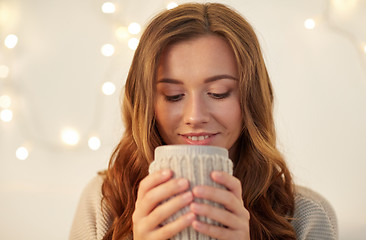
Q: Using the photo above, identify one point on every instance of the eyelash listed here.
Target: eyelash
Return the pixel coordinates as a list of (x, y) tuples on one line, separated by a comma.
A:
[(174, 98), (217, 96)]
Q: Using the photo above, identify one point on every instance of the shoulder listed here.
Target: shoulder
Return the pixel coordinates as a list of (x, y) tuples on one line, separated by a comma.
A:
[(314, 217), (92, 219)]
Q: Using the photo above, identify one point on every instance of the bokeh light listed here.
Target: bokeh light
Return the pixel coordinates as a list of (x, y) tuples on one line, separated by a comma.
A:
[(122, 33), (171, 5), (94, 143), (108, 88), (108, 7), (21, 153), (5, 101), (6, 115), (309, 23), (107, 50), (133, 43), (11, 41), (134, 28), (70, 136)]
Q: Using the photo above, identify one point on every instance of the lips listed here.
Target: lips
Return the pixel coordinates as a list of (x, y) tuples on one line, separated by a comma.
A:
[(198, 138)]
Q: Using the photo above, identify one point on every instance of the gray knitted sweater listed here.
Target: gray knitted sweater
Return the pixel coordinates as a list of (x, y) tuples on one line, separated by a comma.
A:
[(314, 218)]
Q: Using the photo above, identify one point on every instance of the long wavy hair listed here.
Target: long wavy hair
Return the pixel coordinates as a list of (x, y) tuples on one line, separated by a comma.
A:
[(266, 181)]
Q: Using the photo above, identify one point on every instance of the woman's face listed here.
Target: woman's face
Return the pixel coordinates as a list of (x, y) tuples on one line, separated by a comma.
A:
[(197, 93)]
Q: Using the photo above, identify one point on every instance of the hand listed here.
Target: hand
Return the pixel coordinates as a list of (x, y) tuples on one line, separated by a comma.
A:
[(149, 213), (234, 215)]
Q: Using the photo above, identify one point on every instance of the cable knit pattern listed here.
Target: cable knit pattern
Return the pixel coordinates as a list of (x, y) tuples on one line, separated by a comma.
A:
[(314, 218), (194, 163)]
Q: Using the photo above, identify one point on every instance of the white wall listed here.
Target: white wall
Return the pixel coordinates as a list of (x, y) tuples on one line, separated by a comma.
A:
[(56, 71)]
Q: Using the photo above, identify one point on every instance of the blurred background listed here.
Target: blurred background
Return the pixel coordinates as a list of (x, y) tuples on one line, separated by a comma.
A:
[(63, 65)]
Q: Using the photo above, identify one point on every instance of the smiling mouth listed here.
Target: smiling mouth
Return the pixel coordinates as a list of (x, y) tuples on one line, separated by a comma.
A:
[(198, 138)]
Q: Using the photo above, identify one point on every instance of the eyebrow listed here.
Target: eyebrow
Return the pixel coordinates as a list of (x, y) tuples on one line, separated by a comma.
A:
[(207, 80)]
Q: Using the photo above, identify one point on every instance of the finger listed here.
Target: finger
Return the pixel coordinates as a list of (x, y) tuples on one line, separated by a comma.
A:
[(152, 180), (220, 215), (230, 182), (167, 209), (221, 196), (173, 228), (160, 193), (213, 231)]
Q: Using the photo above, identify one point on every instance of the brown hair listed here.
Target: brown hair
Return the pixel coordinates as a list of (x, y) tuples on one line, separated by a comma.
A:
[(266, 180)]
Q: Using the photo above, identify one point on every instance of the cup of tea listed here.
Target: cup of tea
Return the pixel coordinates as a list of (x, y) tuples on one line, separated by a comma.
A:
[(194, 163)]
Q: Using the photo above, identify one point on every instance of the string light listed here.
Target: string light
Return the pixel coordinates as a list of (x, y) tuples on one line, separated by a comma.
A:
[(70, 136), (344, 5), (11, 41), (94, 143), (133, 43), (4, 71), (108, 88), (5, 101), (6, 115), (171, 5), (108, 7), (134, 28), (107, 50), (122, 33), (21, 153), (309, 23)]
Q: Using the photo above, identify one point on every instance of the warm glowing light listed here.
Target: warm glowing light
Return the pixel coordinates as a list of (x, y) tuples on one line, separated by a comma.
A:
[(309, 23), (94, 143), (364, 48), (5, 101), (5, 14), (21, 153), (107, 50), (108, 7), (171, 5), (11, 41), (108, 88), (70, 136), (134, 28), (133, 43), (6, 115), (4, 71), (345, 6), (122, 33)]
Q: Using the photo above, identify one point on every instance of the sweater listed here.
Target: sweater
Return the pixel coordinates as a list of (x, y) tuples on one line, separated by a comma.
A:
[(314, 217)]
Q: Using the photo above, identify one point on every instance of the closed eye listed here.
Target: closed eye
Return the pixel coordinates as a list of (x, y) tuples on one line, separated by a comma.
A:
[(174, 98), (219, 95)]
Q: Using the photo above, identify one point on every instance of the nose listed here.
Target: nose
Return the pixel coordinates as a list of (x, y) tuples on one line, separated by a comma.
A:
[(196, 111)]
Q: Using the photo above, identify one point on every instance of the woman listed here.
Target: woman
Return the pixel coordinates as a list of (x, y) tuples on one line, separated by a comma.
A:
[(198, 77)]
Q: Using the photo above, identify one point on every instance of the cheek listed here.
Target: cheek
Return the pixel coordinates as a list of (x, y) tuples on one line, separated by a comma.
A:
[(166, 115), (230, 113)]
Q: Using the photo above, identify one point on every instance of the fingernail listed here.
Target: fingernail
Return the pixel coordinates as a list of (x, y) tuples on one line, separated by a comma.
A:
[(190, 217), (182, 182), (194, 206), (197, 225), (216, 174), (197, 190), (165, 172), (187, 197)]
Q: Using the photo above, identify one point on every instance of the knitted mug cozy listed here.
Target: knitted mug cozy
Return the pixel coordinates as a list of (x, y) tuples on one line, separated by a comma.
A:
[(195, 163)]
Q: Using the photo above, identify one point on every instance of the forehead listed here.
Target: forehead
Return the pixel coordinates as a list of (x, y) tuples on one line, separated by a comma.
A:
[(204, 55)]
